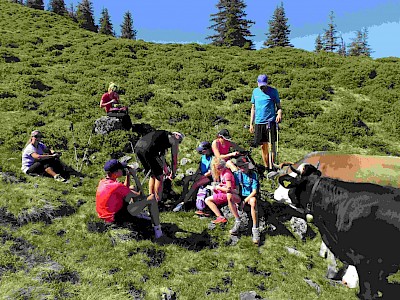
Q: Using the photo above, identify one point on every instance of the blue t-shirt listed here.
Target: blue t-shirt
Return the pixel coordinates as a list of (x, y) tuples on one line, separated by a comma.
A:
[(247, 182), (264, 104), (205, 163)]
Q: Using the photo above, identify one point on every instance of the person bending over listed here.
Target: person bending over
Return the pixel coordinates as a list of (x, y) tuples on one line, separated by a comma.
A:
[(150, 151), (38, 159), (119, 202), (223, 193)]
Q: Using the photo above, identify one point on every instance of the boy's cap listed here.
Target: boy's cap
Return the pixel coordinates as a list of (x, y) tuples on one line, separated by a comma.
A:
[(262, 80), (224, 133), (203, 146), (242, 161), (113, 165)]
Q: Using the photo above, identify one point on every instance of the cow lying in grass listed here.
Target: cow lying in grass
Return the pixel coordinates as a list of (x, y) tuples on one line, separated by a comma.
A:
[(359, 223)]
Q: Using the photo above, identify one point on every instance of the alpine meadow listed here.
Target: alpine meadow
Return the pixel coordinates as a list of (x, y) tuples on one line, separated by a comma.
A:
[(53, 74)]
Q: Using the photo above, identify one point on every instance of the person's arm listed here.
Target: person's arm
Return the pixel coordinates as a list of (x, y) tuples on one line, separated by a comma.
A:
[(104, 104), (174, 155), (217, 154), (138, 189), (227, 188), (254, 187), (278, 113), (251, 128)]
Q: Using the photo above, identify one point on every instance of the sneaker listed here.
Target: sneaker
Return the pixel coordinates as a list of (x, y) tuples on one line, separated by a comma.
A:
[(235, 228), (144, 216), (220, 219), (178, 207), (201, 213), (255, 235), (59, 178), (158, 232)]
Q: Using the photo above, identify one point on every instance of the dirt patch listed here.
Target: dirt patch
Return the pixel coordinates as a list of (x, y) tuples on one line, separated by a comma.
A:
[(155, 257)]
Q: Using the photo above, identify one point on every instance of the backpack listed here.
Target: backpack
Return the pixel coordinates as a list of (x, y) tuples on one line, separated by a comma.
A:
[(201, 196)]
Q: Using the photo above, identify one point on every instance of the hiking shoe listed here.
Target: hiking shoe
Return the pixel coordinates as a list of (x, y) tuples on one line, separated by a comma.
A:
[(59, 178), (178, 207), (201, 213), (235, 228), (144, 216), (219, 219), (255, 235), (158, 232)]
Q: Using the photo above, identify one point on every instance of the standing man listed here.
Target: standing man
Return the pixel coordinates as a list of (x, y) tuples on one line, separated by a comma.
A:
[(266, 112), (151, 150), (118, 202)]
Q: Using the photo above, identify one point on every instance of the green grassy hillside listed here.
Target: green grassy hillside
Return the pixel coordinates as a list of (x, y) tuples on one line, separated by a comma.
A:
[(53, 74)]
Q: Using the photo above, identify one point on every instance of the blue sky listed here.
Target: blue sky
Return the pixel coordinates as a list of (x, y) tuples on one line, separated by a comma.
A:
[(188, 20)]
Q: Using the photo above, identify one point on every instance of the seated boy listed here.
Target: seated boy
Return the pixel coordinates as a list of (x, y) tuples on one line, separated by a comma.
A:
[(247, 187)]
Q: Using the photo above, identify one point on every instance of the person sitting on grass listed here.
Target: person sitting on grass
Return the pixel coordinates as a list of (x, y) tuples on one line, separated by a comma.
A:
[(119, 202), (202, 177), (40, 160), (223, 193), (222, 147), (247, 186)]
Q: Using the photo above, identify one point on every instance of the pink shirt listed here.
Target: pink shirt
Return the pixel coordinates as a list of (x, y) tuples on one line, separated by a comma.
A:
[(110, 197), (223, 148), (226, 175)]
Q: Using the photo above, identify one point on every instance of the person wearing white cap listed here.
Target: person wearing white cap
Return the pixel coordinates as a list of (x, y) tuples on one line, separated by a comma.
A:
[(150, 151), (38, 159), (266, 112)]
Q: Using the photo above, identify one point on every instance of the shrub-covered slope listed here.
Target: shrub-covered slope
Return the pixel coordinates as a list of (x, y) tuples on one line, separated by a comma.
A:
[(53, 74)]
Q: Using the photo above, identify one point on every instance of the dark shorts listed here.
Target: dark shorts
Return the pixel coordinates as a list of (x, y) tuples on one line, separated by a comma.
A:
[(150, 162), (261, 133), (39, 166)]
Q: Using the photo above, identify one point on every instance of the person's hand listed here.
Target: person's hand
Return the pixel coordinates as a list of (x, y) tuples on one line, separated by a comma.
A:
[(278, 118), (251, 129)]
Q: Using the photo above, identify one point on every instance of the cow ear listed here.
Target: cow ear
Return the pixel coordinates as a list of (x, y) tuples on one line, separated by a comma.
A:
[(287, 181)]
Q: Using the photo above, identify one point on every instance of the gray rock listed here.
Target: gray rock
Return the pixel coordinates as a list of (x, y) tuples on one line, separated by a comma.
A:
[(107, 124), (251, 295), (313, 285)]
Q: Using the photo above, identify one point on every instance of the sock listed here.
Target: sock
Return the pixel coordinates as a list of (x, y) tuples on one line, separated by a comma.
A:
[(237, 220)]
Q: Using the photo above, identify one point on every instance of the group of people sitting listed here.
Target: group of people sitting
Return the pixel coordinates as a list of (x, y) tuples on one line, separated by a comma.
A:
[(224, 177)]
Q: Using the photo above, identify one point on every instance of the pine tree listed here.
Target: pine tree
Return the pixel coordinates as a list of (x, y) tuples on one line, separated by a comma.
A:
[(231, 25), (58, 7), (356, 44), (84, 15), (72, 13), (318, 44), (36, 4), (342, 47), (279, 31), (127, 31), (106, 26), (366, 49), (330, 37)]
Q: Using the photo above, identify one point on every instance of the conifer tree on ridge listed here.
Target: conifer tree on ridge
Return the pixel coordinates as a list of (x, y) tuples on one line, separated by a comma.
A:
[(106, 26), (279, 31), (230, 25), (84, 15), (127, 31)]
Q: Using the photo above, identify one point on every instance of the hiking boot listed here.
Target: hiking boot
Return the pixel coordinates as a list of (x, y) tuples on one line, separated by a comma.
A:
[(59, 178), (158, 232), (255, 235), (235, 228), (219, 219), (178, 207)]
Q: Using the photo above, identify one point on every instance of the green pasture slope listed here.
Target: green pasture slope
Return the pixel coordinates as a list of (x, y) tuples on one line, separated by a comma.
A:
[(53, 74)]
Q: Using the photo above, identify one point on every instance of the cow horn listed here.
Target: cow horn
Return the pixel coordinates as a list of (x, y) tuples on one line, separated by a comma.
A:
[(294, 170), (317, 166)]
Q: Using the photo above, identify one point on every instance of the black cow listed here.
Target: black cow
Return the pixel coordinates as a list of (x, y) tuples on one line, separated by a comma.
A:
[(359, 222)]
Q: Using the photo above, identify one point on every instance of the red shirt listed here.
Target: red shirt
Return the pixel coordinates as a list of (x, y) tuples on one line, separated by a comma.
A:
[(107, 97), (110, 197)]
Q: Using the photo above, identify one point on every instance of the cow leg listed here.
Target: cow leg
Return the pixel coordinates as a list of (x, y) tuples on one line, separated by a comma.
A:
[(368, 282)]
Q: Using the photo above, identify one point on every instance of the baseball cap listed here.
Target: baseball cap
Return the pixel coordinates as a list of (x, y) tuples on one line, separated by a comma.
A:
[(181, 136), (262, 80), (36, 133), (242, 161), (113, 165), (225, 134), (203, 146)]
